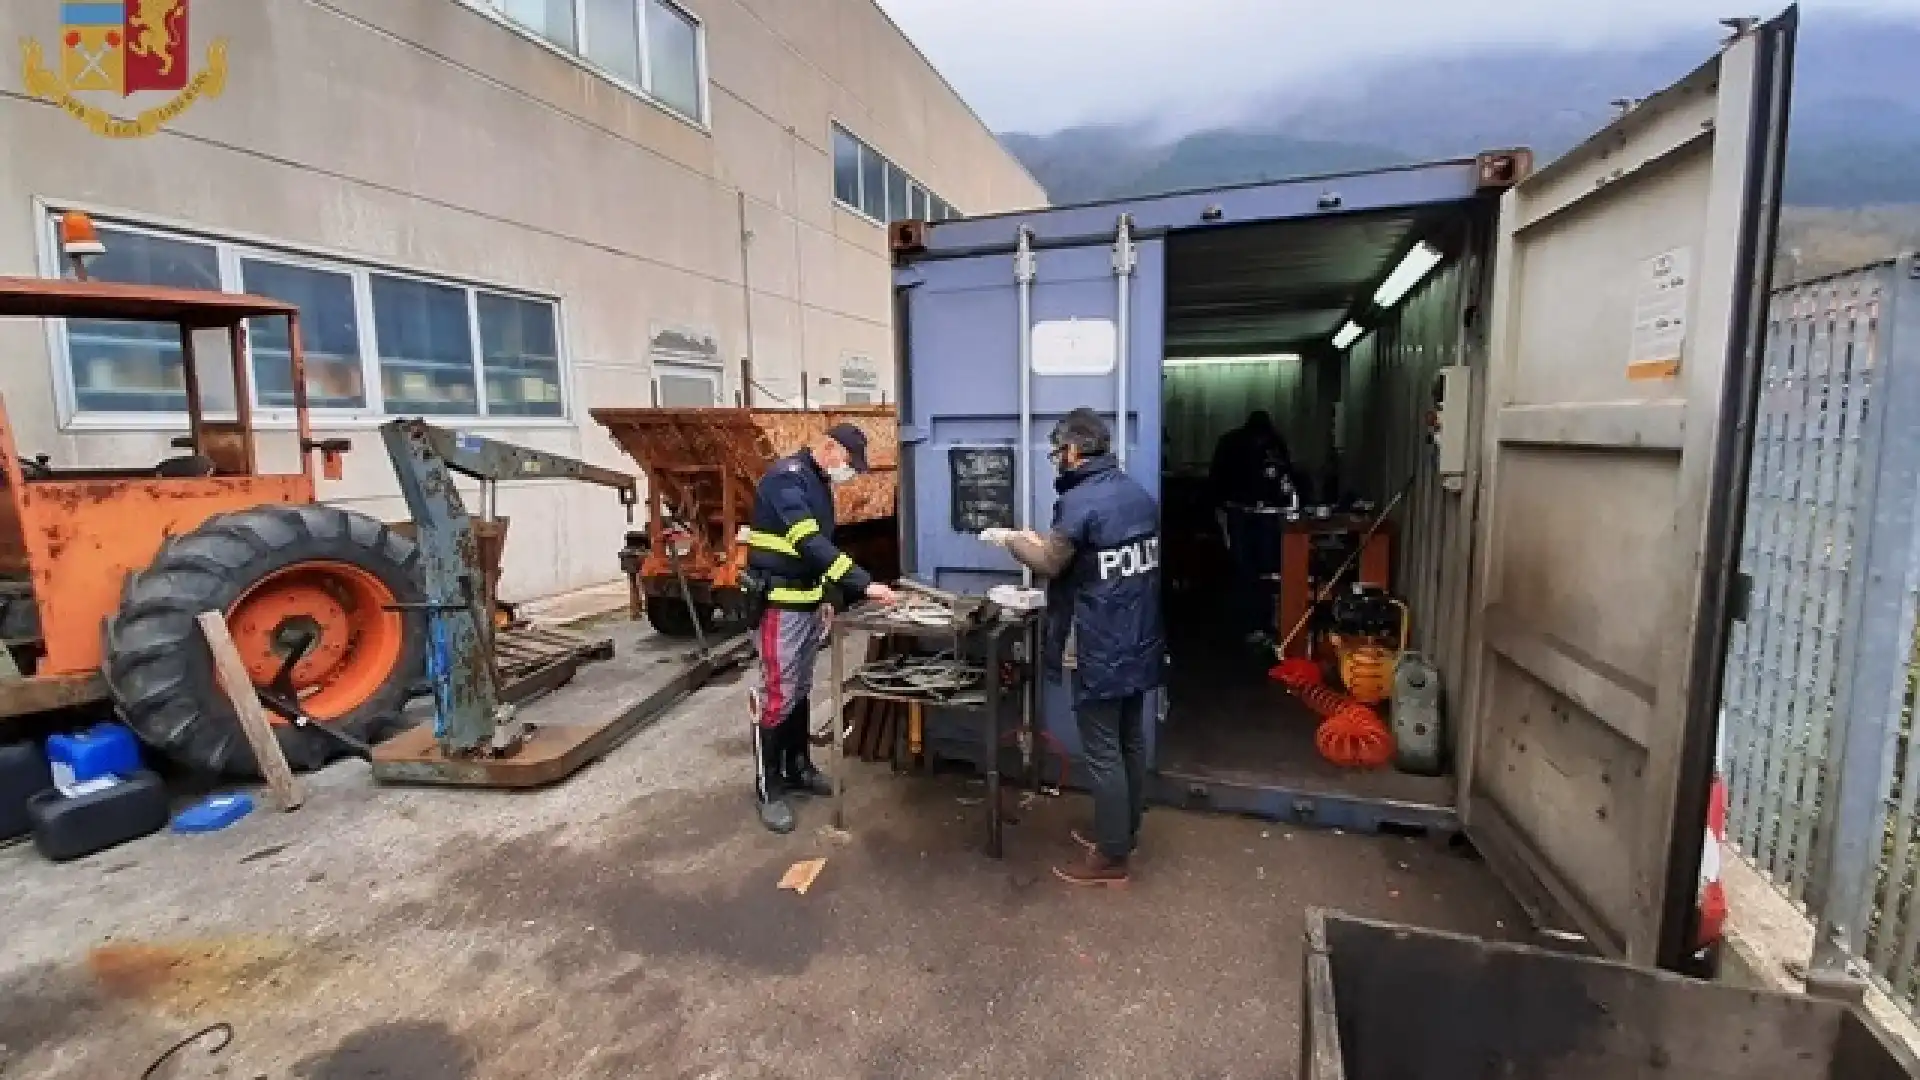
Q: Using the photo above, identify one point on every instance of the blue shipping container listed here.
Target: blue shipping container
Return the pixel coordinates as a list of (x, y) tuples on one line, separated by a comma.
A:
[(1568, 546)]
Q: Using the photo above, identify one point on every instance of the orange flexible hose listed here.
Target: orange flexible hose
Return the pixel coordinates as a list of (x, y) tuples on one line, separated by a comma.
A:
[(1354, 738), (1296, 669), (1321, 699)]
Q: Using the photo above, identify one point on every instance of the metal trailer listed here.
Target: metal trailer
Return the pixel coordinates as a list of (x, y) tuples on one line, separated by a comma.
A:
[(1383, 1001), (702, 466), (1597, 323)]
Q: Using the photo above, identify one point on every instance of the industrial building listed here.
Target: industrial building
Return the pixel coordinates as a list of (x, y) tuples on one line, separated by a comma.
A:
[(497, 213)]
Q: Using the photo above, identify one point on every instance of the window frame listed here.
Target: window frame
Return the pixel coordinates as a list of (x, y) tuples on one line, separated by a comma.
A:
[(231, 249), (577, 55), (715, 377), (358, 286), (887, 165)]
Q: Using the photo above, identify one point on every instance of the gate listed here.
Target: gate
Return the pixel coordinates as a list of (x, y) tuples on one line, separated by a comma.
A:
[(1823, 773)]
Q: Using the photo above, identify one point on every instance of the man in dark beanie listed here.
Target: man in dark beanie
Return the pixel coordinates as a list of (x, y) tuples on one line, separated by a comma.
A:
[(1101, 559), (795, 573)]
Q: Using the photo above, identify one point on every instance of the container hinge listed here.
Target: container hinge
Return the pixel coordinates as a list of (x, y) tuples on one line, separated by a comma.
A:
[(1023, 261)]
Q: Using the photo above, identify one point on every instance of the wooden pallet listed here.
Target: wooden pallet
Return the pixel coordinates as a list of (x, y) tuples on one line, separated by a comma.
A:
[(535, 660)]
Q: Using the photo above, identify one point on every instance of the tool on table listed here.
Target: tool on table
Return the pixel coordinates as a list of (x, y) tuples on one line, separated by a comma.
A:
[(1326, 590)]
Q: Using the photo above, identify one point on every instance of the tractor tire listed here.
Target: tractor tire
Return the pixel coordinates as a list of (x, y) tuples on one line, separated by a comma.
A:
[(722, 616), (277, 573)]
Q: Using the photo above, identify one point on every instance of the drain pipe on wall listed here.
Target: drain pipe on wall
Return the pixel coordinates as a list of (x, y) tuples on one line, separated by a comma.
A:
[(746, 297), (1124, 258), (1023, 274)]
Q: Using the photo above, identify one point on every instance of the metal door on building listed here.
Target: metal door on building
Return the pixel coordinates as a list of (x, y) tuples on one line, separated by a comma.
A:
[(1630, 293)]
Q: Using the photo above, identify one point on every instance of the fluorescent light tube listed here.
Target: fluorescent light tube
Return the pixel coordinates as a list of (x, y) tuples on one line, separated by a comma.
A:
[(1348, 334), (1222, 361), (1418, 263)]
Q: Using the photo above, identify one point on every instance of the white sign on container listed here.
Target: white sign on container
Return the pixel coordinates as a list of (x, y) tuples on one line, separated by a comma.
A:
[(1660, 303), (1074, 347)]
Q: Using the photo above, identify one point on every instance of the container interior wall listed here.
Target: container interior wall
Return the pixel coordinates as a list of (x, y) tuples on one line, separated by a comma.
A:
[(1383, 435), (1441, 1007), (1204, 402)]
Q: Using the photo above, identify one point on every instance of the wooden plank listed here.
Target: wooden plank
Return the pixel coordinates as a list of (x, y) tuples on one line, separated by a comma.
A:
[(231, 672)]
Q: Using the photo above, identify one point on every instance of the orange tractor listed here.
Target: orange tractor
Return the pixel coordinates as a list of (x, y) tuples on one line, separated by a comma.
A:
[(102, 571)]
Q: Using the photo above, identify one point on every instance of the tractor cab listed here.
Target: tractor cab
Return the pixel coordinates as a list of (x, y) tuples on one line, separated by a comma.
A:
[(102, 570)]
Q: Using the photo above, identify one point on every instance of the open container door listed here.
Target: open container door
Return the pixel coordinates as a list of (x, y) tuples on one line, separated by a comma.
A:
[(1629, 293)]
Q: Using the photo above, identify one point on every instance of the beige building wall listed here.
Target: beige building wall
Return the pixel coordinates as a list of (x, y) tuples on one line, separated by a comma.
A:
[(432, 137)]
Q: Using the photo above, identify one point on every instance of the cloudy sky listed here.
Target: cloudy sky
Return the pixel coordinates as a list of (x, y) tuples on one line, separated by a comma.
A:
[(1036, 65)]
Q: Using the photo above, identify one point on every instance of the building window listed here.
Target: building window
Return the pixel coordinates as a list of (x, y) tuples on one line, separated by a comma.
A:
[(329, 331), (685, 387), (673, 59), (520, 355), (859, 383), (873, 185), (613, 37), (846, 168), (551, 19), (652, 46), (136, 367), (896, 194), (377, 342), (865, 182), (425, 343)]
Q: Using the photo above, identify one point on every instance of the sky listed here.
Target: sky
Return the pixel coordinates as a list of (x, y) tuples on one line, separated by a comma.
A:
[(1038, 65)]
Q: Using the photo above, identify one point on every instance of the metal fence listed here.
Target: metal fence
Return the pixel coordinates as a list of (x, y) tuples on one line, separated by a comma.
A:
[(1823, 777)]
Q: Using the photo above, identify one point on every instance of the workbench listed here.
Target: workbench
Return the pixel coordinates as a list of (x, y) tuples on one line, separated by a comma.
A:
[(1006, 646), (1374, 567)]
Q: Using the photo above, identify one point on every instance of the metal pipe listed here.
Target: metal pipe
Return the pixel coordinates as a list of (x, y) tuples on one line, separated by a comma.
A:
[(1123, 263), (746, 284), (1023, 274)]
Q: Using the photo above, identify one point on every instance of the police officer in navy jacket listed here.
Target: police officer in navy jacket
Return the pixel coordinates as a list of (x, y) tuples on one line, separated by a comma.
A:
[(1101, 559)]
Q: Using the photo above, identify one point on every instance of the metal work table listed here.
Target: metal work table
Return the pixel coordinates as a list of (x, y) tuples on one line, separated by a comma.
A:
[(991, 640)]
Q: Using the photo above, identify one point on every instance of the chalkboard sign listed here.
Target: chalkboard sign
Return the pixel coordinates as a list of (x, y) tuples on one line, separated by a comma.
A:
[(983, 487)]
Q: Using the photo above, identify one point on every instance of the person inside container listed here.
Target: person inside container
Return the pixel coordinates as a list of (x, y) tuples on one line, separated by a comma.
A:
[(794, 575), (1251, 479), (1101, 559)]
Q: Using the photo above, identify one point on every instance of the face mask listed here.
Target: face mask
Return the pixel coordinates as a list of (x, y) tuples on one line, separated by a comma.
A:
[(840, 474)]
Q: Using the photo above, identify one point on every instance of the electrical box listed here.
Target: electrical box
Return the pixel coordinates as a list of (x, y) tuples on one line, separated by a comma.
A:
[(1452, 392)]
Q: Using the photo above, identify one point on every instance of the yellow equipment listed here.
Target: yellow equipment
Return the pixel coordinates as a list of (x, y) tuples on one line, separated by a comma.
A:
[(1364, 644)]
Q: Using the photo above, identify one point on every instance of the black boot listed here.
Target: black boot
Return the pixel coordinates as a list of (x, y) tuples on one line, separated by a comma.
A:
[(802, 779), (769, 780)]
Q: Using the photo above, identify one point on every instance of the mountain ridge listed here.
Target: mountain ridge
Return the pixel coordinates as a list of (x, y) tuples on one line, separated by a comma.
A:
[(1854, 139)]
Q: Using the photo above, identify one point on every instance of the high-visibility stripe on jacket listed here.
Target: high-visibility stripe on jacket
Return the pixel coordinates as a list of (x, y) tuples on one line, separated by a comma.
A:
[(790, 537)]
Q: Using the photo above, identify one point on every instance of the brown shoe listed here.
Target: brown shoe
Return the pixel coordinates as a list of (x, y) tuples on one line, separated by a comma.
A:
[(1095, 869)]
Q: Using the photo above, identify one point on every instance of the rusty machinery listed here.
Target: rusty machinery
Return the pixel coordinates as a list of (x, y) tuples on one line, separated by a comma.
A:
[(103, 570), (702, 466), (476, 738)]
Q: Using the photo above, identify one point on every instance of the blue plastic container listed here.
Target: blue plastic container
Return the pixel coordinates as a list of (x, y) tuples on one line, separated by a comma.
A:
[(213, 814), (102, 750)]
